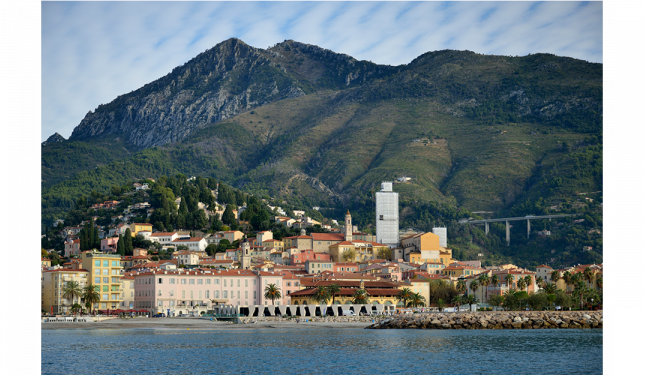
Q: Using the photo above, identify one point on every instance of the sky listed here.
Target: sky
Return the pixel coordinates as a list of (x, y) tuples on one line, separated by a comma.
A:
[(94, 51)]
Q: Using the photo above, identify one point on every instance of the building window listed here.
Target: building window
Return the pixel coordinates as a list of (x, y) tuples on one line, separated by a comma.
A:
[(160, 280), (183, 281), (216, 281), (97, 263), (105, 297), (226, 294), (200, 281), (208, 281), (191, 282), (183, 294), (97, 271), (208, 294), (216, 294), (224, 282), (106, 280), (106, 263), (172, 280)]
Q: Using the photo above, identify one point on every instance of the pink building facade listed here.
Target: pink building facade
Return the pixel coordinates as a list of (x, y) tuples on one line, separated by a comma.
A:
[(306, 255), (190, 292), (109, 244)]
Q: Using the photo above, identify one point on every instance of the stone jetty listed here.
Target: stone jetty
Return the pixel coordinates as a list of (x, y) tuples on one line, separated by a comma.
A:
[(493, 320)]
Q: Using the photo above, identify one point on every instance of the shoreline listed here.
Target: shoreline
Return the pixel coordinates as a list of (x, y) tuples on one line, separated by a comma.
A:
[(196, 324)]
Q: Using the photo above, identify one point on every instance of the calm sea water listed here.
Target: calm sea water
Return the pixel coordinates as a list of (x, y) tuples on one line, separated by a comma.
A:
[(316, 351)]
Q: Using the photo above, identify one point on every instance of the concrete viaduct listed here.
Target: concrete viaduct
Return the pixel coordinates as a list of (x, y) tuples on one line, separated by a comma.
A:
[(528, 219)]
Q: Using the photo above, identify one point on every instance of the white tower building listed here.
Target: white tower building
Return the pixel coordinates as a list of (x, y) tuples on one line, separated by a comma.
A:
[(348, 227), (443, 236), (246, 257), (387, 216)]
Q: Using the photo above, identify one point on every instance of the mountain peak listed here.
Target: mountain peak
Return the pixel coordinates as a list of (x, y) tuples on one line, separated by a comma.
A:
[(54, 138)]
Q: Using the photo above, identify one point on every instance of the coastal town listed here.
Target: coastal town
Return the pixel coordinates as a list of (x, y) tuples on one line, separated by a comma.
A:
[(322, 269)]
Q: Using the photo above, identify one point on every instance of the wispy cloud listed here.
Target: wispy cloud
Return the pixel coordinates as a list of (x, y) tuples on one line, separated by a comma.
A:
[(95, 51)]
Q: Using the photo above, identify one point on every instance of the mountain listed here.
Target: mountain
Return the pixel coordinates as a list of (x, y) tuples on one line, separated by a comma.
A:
[(473, 132), (54, 138)]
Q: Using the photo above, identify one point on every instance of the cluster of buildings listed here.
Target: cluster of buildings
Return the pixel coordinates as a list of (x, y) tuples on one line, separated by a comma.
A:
[(193, 282)]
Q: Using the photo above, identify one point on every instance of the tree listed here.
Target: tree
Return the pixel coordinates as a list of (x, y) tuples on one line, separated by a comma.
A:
[(200, 220), (77, 308), (496, 300), (127, 242), (528, 280), (441, 304), (494, 280), (120, 246), (456, 301), (228, 217), (484, 281), (555, 276), (72, 290), (361, 297), (461, 286), (384, 253), (474, 285), (211, 249), (599, 282), (509, 280), (540, 281), (538, 300), (334, 289), (550, 288), (521, 283), (416, 300), (567, 278), (321, 294), (91, 295), (349, 255), (588, 274), (404, 295), (272, 292)]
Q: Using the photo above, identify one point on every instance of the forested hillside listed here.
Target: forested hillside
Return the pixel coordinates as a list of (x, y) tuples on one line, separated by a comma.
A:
[(501, 134)]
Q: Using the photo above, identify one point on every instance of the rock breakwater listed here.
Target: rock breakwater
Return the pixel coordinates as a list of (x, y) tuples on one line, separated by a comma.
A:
[(493, 320)]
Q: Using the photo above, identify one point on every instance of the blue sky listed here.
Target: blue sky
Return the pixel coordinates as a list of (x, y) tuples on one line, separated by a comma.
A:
[(95, 51)]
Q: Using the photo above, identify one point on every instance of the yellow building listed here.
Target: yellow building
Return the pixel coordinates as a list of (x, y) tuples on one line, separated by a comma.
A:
[(364, 250), (425, 247), (135, 228), (53, 284), (274, 244), (105, 274), (458, 271), (421, 286)]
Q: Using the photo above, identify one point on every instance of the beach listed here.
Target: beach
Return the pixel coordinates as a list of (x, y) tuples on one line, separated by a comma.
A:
[(196, 323)]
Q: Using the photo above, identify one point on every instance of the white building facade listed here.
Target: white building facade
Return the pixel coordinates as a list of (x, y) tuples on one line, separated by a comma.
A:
[(387, 216), (443, 236)]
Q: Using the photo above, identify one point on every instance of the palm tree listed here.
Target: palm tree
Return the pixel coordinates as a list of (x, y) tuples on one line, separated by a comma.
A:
[(333, 289), (599, 282), (91, 296), (456, 301), (567, 278), (72, 290), (588, 274), (441, 304), (461, 286), (474, 285), (361, 297), (521, 283), (494, 280), (417, 300), (349, 255), (580, 290), (540, 281), (484, 281), (321, 294), (528, 280), (509, 280), (404, 295), (550, 288), (555, 276), (272, 292)]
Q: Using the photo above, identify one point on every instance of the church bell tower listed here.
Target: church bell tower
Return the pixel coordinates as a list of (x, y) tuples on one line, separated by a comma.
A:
[(348, 227)]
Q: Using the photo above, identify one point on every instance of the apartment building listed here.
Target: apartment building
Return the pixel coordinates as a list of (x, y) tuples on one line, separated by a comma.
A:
[(53, 285), (105, 274)]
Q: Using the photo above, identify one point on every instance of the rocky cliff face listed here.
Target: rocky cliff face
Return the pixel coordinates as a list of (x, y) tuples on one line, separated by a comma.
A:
[(218, 84), (228, 79)]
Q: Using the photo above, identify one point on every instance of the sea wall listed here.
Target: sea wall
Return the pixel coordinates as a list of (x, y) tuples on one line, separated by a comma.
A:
[(324, 319), (493, 320)]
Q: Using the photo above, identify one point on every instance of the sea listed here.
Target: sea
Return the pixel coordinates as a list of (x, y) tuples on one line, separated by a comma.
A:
[(321, 351)]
